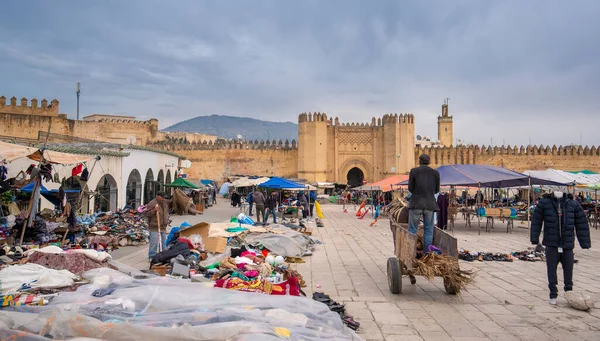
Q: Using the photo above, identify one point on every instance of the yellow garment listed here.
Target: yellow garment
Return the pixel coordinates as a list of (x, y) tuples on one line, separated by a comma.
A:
[(319, 212)]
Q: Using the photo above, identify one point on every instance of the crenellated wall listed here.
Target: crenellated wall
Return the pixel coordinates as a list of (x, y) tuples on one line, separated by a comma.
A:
[(519, 159), (44, 109), (220, 160)]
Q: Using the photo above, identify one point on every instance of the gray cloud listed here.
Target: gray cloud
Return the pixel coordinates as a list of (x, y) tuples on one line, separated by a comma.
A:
[(514, 71)]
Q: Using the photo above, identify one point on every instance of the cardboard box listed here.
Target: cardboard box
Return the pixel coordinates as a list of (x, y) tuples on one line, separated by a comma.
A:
[(217, 245)]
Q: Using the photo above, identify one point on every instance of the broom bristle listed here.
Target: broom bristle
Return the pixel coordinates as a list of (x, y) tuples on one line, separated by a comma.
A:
[(433, 265)]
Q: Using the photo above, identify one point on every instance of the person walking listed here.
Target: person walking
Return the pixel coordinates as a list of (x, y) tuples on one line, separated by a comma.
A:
[(423, 184), (562, 219), (250, 200), (271, 209), (259, 200), (161, 205), (304, 203), (313, 199)]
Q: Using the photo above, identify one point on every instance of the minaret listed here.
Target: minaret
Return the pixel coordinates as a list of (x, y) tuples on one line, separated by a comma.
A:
[(445, 134)]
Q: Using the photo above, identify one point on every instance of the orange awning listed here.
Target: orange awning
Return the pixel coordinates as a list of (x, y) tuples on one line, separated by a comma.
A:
[(386, 184)]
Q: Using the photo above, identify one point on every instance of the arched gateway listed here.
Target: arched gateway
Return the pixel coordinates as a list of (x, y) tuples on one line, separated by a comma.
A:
[(344, 153)]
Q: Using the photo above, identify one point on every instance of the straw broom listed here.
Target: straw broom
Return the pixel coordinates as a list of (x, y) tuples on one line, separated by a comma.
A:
[(433, 265)]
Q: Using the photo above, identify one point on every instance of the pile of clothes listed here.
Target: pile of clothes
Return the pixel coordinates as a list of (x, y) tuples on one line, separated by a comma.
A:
[(38, 233), (243, 268), (109, 230)]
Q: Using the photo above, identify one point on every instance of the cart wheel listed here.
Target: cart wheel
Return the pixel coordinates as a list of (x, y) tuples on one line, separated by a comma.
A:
[(394, 274), (413, 280), (450, 289)]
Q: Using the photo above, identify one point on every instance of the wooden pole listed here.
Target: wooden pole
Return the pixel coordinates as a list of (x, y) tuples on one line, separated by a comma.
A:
[(529, 202), (36, 188), (158, 224)]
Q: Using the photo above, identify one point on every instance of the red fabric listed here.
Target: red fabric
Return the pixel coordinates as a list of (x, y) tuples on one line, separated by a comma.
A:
[(77, 169), (289, 287), (265, 252), (187, 241)]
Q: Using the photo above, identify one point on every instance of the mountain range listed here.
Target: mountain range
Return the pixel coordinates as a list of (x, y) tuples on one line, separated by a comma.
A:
[(231, 127)]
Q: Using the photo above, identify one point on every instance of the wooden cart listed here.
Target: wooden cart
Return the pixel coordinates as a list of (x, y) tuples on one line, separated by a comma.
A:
[(405, 249)]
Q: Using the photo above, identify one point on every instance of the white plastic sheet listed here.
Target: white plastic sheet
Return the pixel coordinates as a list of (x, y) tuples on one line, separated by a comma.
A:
[(34, 275), (161, 308)]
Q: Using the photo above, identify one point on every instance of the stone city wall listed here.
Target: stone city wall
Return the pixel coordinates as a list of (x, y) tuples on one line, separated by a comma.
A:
[(29, 126), (218, 161), (568, 158)]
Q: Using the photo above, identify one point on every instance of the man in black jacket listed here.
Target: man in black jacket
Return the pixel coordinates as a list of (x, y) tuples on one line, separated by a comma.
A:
[(562, 218), (423, 184)]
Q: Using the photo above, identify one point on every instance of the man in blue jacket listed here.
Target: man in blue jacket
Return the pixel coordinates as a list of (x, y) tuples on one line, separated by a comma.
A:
[(250, 200), (563, 219)]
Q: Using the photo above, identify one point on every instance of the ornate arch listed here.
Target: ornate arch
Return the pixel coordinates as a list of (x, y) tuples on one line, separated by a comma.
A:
[(359, 163)]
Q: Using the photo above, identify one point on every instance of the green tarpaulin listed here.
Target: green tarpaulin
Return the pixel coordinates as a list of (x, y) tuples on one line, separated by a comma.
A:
[(183, 183), (585, 171)]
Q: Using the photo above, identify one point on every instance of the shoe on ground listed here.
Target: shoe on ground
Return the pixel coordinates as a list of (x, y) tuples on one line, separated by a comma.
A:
[(553, 301)]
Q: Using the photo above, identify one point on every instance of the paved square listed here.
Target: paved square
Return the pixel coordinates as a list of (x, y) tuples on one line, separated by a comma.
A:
[(508, 301)]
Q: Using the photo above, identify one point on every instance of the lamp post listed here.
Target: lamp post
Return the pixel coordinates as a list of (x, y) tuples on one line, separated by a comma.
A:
[(78, 92)]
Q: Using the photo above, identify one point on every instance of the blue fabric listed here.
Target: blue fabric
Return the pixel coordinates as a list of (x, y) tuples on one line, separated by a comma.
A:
[(172, 233), (152, 248), (485, 176), (206, 182), (43, 190), (271, 212), (276, 182), (413, 224)]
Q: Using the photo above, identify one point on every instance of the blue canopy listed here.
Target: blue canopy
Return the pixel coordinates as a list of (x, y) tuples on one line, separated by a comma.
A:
[(43, 190), (485, 176), (206, 182), (280, 183), (50, 195)]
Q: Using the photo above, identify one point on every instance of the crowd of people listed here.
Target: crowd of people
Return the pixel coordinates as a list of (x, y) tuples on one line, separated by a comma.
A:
[(267, 203)]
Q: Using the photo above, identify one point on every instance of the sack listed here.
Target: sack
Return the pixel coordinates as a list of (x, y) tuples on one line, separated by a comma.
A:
[(13, 209), (319, 211), (579, 301)]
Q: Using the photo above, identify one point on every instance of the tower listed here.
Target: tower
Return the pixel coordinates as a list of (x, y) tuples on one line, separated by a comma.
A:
[(312, 146), (445, 133)]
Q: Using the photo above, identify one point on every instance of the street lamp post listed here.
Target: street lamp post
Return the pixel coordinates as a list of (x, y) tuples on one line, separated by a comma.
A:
[(78, 92)]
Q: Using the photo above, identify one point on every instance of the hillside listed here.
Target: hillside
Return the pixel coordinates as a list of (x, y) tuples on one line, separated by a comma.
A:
[(230, 127)]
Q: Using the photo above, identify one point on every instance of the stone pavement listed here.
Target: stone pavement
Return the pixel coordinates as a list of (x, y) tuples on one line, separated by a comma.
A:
[(508, 301)]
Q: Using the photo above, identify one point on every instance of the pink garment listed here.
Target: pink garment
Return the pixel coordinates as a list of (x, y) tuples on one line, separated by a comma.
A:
[(246, 253), (241, 266), (251, 273)]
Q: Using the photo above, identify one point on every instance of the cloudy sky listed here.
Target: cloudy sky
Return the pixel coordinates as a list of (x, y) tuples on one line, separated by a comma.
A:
[(514, 70)]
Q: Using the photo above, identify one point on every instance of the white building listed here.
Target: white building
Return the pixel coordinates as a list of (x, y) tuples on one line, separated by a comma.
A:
[(117, 174)]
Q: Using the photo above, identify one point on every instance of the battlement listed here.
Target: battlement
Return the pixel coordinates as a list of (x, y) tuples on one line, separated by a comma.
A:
[(44, 109), (379, 122), (510, 150), (225, 144), (312, 117), (152, 121)]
